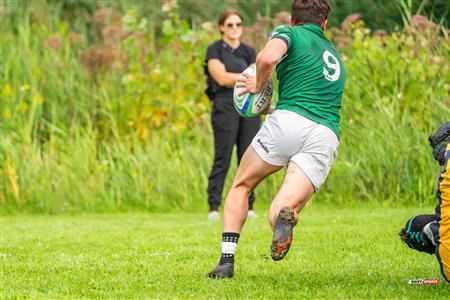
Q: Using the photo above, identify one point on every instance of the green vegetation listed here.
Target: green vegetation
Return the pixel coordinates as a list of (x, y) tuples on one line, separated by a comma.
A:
[(104, 110), (337, 254), (378, 14)]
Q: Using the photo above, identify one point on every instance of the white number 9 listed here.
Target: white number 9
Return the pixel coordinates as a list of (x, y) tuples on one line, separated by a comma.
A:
[(334, 65)]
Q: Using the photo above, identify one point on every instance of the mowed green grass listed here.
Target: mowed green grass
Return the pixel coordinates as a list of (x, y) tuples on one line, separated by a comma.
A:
[(337, 253)]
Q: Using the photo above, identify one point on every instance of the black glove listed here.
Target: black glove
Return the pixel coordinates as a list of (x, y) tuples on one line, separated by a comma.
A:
[(439, 141)]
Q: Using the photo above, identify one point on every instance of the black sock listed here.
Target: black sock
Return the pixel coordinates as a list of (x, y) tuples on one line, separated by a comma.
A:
[(229, 245)]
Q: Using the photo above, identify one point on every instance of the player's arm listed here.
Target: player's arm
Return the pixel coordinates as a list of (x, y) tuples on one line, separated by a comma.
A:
[(220, 75), (267, 59), (266, 62)]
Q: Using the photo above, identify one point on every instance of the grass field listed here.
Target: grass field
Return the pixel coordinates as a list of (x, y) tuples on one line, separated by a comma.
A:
[(337, 253)]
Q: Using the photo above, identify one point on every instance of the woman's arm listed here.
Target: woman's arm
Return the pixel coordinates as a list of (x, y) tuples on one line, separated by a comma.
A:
[(218, 72)]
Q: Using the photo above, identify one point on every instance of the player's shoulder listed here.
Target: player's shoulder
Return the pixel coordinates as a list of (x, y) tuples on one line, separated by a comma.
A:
[(280, 30), (283, 32)]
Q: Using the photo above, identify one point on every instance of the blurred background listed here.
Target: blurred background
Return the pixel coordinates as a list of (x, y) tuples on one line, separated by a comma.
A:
[(103, 105)]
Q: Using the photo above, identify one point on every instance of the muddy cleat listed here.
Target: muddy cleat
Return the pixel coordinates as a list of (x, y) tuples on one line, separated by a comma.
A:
[(282, 234), (414, 236), (225, 270)]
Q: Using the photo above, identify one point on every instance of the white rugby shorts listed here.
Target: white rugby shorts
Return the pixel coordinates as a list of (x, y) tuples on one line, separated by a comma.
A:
[(287, 136)]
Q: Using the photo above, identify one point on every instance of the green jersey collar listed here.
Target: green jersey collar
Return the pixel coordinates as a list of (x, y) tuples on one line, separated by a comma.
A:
[(313, 27)]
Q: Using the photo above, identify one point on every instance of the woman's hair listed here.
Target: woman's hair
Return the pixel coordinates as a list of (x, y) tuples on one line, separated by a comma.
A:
[(225, 14)]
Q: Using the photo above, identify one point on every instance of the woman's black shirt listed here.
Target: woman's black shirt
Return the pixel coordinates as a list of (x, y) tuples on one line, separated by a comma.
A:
[(235, 61)]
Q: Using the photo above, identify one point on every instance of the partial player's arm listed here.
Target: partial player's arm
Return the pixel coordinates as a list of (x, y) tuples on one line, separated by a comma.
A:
[(218, 72), (266, 61)]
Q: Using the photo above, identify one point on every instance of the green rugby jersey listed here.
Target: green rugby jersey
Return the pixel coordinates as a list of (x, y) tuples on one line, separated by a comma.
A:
[(311, 75)]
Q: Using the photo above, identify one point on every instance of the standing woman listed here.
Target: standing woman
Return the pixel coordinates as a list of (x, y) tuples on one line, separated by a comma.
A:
[(225, 60)]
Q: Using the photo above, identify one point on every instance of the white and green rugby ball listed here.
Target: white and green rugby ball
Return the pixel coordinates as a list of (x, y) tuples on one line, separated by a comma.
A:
[(250, 105)]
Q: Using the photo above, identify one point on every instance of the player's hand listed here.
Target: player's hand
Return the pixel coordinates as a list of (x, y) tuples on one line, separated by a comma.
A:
[(439, 141), (248, 83)]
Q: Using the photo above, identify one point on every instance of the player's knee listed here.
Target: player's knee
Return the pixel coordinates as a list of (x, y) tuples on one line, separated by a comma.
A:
[(242, 185)]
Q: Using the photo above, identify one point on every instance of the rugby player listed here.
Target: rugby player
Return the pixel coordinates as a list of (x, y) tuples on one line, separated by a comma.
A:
[(301, 134), (431, 233)]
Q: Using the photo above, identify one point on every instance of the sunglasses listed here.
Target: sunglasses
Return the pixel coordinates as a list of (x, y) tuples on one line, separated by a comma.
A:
[(231, 25)]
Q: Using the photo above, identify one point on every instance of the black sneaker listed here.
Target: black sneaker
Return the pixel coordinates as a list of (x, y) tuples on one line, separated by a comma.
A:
[(225, 270), (282, 234), (412, 234)]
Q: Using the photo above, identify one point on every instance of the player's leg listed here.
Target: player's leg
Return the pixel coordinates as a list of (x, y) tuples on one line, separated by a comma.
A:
[(441, 228), (431, 233), (248, 127), (251, 171), (296, 190), (261, 159), (307, 171)]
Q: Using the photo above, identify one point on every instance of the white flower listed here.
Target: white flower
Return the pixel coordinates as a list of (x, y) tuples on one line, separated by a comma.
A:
[(169, 5)]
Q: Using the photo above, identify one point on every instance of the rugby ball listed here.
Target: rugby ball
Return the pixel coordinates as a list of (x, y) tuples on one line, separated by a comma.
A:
[(250, 105)]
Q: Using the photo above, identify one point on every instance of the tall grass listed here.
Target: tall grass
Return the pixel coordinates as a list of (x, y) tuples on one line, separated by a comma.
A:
[(110, 115)]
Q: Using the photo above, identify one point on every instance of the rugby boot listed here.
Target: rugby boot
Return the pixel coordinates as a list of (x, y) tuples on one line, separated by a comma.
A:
[(282, 234), (225, 270), (414, 236)]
